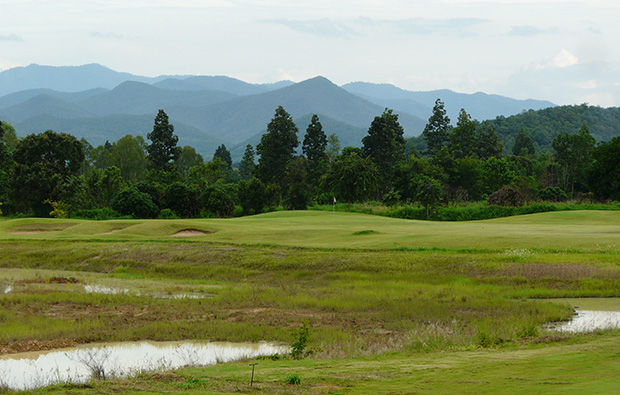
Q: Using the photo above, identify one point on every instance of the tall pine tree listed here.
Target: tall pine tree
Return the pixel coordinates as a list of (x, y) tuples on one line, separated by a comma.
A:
[(385, 146), (315, 142), (162, 151), (437, 131), (276, 149), (247, 165)]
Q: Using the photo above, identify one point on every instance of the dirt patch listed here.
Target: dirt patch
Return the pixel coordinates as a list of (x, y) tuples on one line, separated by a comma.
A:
[(109, 233), (36, 345), (51, 280), (34, 232), (190, 233)]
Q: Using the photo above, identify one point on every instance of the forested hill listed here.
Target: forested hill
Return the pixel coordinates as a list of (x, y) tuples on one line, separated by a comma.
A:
[(544, 125)]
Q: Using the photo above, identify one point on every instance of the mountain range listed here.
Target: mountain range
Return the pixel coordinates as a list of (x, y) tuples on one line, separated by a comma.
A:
[(100, 104)]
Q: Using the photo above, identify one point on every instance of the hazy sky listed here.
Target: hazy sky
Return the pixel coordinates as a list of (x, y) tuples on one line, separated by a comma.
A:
[(559, 50)]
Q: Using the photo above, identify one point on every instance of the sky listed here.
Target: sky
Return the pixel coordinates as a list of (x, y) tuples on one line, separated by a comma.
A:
[(557, 50)]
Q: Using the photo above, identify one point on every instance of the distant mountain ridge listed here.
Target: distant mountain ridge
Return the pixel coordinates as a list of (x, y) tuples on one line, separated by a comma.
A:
[(480, 106), (100, 104)]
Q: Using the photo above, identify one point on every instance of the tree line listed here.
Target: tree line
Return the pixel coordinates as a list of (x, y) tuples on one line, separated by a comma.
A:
[(56, 174)]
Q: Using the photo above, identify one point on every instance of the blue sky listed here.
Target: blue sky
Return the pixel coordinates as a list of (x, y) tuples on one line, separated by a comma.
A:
[(563, 51)]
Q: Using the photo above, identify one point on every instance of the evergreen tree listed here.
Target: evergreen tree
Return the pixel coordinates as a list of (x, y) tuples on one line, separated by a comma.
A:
[(437, 131), (315, 142), (489, 143), (276, 149), (524, 145), (223, 153), (385, 146), (162, 151), (463, 139), (247, 165)]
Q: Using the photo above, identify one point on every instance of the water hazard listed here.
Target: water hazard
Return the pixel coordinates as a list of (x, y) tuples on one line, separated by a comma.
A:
[(591, 314), (78, 365)]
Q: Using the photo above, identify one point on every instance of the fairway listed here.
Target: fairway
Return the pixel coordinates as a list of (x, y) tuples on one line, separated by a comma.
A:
[(591, 230), (393, 306)]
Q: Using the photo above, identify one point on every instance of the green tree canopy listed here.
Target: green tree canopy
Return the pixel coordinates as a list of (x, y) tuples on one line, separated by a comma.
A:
[(162, 151), (437, 131), (605, 172), (276, 148), (574, 155), (353, 178), (385, 146), (524, 145), (247, 165), (188, 158), (463, 139), (489, 143), (42, 163), (223, 153)]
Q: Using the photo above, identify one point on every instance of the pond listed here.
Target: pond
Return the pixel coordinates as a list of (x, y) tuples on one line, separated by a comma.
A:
[(78, 365), (591, 314)]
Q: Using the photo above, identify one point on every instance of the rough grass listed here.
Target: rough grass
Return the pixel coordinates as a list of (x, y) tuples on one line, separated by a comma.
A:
[(406, 287)]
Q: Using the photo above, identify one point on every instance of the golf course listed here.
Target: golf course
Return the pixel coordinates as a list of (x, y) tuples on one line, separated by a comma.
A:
[(374, 305)]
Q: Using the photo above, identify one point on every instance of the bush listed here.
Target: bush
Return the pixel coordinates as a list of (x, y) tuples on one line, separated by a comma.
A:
[(506, 196), (301, 337), (167, 214), (293, 379), (219, 199), (132, 202), (182, 199), (553, 194), (100, 214)]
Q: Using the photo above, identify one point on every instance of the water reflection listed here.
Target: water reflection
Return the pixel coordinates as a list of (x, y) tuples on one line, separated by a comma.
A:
[(591, 314), (35, 370), (102, 289), (590, 321)]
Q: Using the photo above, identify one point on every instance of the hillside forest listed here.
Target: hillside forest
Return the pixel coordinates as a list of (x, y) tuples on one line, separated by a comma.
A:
[(55, 174)]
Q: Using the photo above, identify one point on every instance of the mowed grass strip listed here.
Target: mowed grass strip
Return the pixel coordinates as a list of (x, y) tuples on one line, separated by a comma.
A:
[(576, 230)]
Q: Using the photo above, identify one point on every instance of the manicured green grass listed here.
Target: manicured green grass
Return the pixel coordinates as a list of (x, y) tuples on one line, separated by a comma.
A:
[(572, 230)]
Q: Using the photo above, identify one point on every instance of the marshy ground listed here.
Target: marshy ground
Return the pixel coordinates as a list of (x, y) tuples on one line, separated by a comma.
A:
[(395, 306)]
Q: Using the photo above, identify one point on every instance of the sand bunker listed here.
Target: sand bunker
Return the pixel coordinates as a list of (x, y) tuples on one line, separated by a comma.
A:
[(189, 233)]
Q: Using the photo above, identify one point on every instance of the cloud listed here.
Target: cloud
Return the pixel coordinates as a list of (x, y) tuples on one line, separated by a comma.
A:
[(530, 31), (11, 37), (565, 80), (320, 27), (564, 59), (106, 35), (423, 26)]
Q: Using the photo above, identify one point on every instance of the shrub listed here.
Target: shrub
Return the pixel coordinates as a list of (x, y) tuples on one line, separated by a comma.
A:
[(293, 379), (506, 196), (130, 201), (167, 214), (301, 337), (182, 199), (100, 214), (553, 194)]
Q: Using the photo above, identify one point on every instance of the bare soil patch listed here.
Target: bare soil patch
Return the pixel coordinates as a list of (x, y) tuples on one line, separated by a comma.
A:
[(34, 232)]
